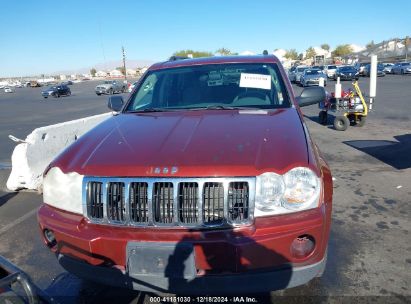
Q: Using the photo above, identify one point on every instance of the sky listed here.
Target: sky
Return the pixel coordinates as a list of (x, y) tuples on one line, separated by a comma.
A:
[(42, 37)]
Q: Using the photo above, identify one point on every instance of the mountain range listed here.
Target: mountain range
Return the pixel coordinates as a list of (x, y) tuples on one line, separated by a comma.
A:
[(107, 66)]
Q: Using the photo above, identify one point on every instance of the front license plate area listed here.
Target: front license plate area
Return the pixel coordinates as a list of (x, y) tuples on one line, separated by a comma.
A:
[(170, 260)]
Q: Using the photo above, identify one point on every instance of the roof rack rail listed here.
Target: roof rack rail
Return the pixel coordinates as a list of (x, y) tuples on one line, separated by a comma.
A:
[(175, 58)]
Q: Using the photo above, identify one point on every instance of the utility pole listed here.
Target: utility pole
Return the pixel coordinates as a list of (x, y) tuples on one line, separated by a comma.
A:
[(124, 65)]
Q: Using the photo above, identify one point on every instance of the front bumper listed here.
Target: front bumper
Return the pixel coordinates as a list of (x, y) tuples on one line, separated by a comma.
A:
[(347, 77), (253, 258), (47, 94), (312, 82), (252, 282), (101, 91)]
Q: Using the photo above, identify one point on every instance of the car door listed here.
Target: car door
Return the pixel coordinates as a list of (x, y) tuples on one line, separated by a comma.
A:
[(395, 68)]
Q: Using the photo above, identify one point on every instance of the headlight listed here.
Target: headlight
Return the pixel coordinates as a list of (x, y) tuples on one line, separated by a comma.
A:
[(298, 189), (63, 191), (269, 192)]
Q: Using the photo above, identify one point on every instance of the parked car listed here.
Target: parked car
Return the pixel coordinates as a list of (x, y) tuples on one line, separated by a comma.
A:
[(347, 72), (402, 68), (68, 82), (298, 72), (360, 67), (388, 68), (311, 77), (34, 84), (380, 70), (291, 74), (9, 90), (56, 91), (111, 87), (204, 182), (330, 70)]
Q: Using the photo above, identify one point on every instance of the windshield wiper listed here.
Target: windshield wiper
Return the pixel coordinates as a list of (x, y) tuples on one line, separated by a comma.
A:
[(149, 110), (214, 107), (219, 107)]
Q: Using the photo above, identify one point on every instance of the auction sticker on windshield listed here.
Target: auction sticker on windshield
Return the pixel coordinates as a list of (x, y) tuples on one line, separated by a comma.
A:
[(257, 81)]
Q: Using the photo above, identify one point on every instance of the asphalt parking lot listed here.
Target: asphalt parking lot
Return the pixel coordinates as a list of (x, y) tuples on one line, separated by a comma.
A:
[(369, 254)]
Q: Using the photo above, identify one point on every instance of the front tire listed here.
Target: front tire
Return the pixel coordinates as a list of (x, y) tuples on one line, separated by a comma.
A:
[(360, 121), (341, 123)]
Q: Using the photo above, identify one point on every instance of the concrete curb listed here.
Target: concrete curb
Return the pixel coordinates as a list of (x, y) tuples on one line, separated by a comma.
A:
[(32, 155)]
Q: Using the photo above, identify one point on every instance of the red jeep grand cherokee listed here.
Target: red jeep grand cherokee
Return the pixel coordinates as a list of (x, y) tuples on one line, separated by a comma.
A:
[(206, 181)]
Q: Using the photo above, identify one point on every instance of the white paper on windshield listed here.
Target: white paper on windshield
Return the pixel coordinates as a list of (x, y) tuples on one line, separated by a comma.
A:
[(257, 81)]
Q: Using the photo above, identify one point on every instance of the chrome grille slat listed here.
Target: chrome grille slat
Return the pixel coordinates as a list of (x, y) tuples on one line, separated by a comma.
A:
[(163, 202), (138, 205), (115, 202), (167, 202), (238, 201), (213, 196), (188, 201)]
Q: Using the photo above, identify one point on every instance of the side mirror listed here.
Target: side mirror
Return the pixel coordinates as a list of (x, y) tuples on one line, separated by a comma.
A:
[(115, 103), (310, 96)]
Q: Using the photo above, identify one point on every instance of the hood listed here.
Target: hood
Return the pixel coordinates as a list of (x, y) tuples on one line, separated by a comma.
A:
[(193, 143), (314, 76), (104, 85)]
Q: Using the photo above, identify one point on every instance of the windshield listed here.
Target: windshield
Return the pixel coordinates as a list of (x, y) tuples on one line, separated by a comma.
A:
[(300, 69), (347, 68), (331, 67), (108, 82), (313, 72), (218, 86)]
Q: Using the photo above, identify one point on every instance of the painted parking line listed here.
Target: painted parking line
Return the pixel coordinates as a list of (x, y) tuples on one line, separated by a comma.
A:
[(17, 221)]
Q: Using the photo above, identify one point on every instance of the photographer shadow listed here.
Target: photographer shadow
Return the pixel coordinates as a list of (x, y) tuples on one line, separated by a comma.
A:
[(233, 267)]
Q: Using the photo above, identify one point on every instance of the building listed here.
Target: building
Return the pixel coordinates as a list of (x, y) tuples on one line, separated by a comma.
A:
[(101, 74), (391, 50), (131, 72), (116, 74)]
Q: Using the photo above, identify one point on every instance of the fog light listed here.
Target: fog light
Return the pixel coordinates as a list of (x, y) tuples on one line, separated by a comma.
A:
[(49, 237), (302, 246)]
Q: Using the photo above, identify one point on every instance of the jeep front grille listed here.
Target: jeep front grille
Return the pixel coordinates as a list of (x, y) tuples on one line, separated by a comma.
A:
[(186, 202)]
